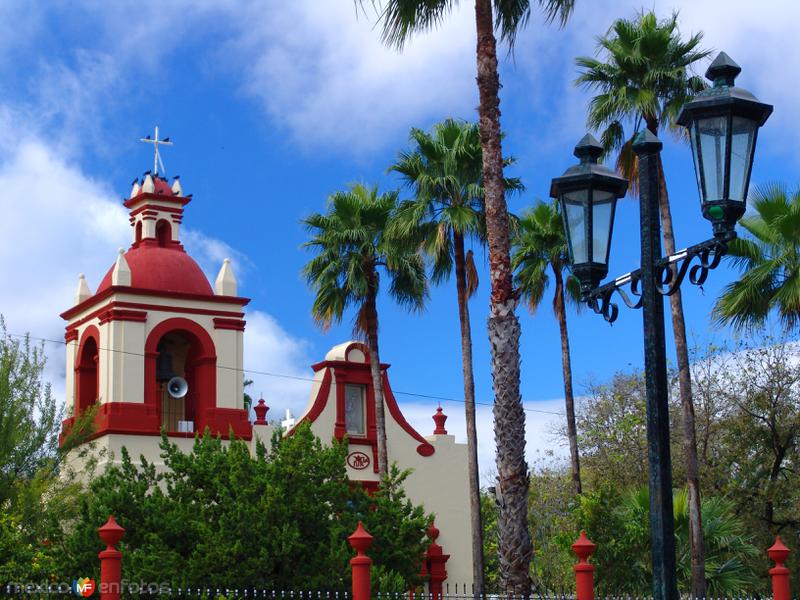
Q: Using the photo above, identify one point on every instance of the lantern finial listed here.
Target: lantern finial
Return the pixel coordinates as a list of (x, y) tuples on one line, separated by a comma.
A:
[(723, 70), (588, 149)]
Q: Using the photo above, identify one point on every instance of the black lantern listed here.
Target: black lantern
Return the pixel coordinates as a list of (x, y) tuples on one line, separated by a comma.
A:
[(723, 123), (587, 194)]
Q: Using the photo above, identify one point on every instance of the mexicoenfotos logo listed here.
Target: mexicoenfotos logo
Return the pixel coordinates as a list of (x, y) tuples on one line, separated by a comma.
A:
[(83, 586)]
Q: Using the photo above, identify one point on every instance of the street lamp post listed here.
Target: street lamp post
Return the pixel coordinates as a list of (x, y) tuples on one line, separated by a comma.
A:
[(722, 123)]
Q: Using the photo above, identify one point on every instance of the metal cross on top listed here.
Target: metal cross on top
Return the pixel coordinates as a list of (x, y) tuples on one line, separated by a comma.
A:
[(156, 142)]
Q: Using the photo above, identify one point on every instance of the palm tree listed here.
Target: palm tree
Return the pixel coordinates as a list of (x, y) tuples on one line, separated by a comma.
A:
[(351, 247), (540, 244), (770, 262), (444, 170), (401, 19), (645, 80)]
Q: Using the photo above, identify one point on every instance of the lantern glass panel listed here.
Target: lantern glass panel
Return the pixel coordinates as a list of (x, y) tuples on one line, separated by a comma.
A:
[(711, 137), (575, 207), (602, 212), (743, 136)]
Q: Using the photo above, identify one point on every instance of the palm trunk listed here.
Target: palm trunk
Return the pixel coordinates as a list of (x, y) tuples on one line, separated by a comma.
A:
[(566, 366), (377, 381), (469, 410), (514, 544), (687, 405)]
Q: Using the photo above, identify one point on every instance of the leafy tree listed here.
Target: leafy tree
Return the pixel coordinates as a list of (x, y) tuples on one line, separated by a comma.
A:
[(769, 261), (351, 245), (29, 416), (753, 393), (540, 245), (444, 171), (33, 498), (401, 19), (645, 78), (618, 522), (219, 516)]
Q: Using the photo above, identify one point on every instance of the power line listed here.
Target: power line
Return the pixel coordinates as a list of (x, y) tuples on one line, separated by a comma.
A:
[(284, 376)]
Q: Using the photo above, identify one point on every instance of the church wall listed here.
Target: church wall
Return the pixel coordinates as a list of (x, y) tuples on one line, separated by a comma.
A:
[(440, 483), (127, 363), (229, 344), (69, 386)]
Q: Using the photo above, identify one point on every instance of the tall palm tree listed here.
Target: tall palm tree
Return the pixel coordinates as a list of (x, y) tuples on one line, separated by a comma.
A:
[(770, 262), (351, 248), (444, 171), (401, 19), (540, 245), (644, 79)]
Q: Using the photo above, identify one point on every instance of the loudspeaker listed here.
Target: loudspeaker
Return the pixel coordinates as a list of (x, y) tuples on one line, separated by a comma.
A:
[(177, 387)]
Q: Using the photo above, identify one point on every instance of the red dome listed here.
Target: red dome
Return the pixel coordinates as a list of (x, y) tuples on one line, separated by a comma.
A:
[(164, 270)]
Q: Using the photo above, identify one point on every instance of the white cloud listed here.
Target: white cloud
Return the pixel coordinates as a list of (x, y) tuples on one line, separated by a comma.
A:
[(277, 363), (322, 73)]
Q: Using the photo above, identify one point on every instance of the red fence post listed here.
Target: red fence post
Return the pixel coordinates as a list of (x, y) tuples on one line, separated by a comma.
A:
[(360, 564), (778, 554), (110, 560), (584, 572), (436, 560)]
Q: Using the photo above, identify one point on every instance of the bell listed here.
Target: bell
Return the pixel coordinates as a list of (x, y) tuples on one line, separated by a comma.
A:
[(164, 370)]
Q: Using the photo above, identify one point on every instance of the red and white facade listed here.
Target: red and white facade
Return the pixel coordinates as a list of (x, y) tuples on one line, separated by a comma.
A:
[(342, 403), (155, 300), (155, 312)]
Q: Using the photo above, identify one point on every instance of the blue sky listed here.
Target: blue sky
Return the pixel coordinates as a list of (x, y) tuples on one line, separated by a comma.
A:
[(272, 106)]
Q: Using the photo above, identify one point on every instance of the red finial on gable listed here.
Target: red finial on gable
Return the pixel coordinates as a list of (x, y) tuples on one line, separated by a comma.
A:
[(439, 418), (261, 412)]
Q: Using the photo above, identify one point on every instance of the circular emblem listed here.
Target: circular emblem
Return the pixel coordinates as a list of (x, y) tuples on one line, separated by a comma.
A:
[(358, 460)]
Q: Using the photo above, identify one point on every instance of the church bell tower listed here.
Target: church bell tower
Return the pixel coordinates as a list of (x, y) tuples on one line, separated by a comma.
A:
[(155, 347)]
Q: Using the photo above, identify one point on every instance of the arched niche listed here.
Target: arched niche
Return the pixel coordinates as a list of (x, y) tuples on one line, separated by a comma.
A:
[(194, 358), (87, 385)]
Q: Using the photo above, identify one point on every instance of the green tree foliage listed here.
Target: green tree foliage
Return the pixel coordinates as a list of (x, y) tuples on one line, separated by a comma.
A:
[(769, 259), (32, 497), (29, 417), (539, 247), (645, 78), (219, 516), (618, 522)]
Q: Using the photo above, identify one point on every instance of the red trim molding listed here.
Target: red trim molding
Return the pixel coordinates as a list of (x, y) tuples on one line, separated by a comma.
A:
[(155, 307), (71, 334), (124, 289), (425, 448), (118, 314), (319, 402), (143, 197), (359, 373), (136, 418), (235, 324)]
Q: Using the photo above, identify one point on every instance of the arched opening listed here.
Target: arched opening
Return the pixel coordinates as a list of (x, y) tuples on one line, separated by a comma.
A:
[(86, 375), (163, 233), (180, 348), (138, 237)]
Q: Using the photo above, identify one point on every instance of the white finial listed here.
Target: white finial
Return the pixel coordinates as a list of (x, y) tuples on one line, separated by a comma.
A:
[(225, 285), (156, 143), (148, 187), (136, 188), (121, 275), (83, 292), (176, 187)]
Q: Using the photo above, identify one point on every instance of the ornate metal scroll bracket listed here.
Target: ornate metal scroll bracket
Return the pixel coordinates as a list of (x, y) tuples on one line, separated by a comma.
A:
[(696, 261)]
